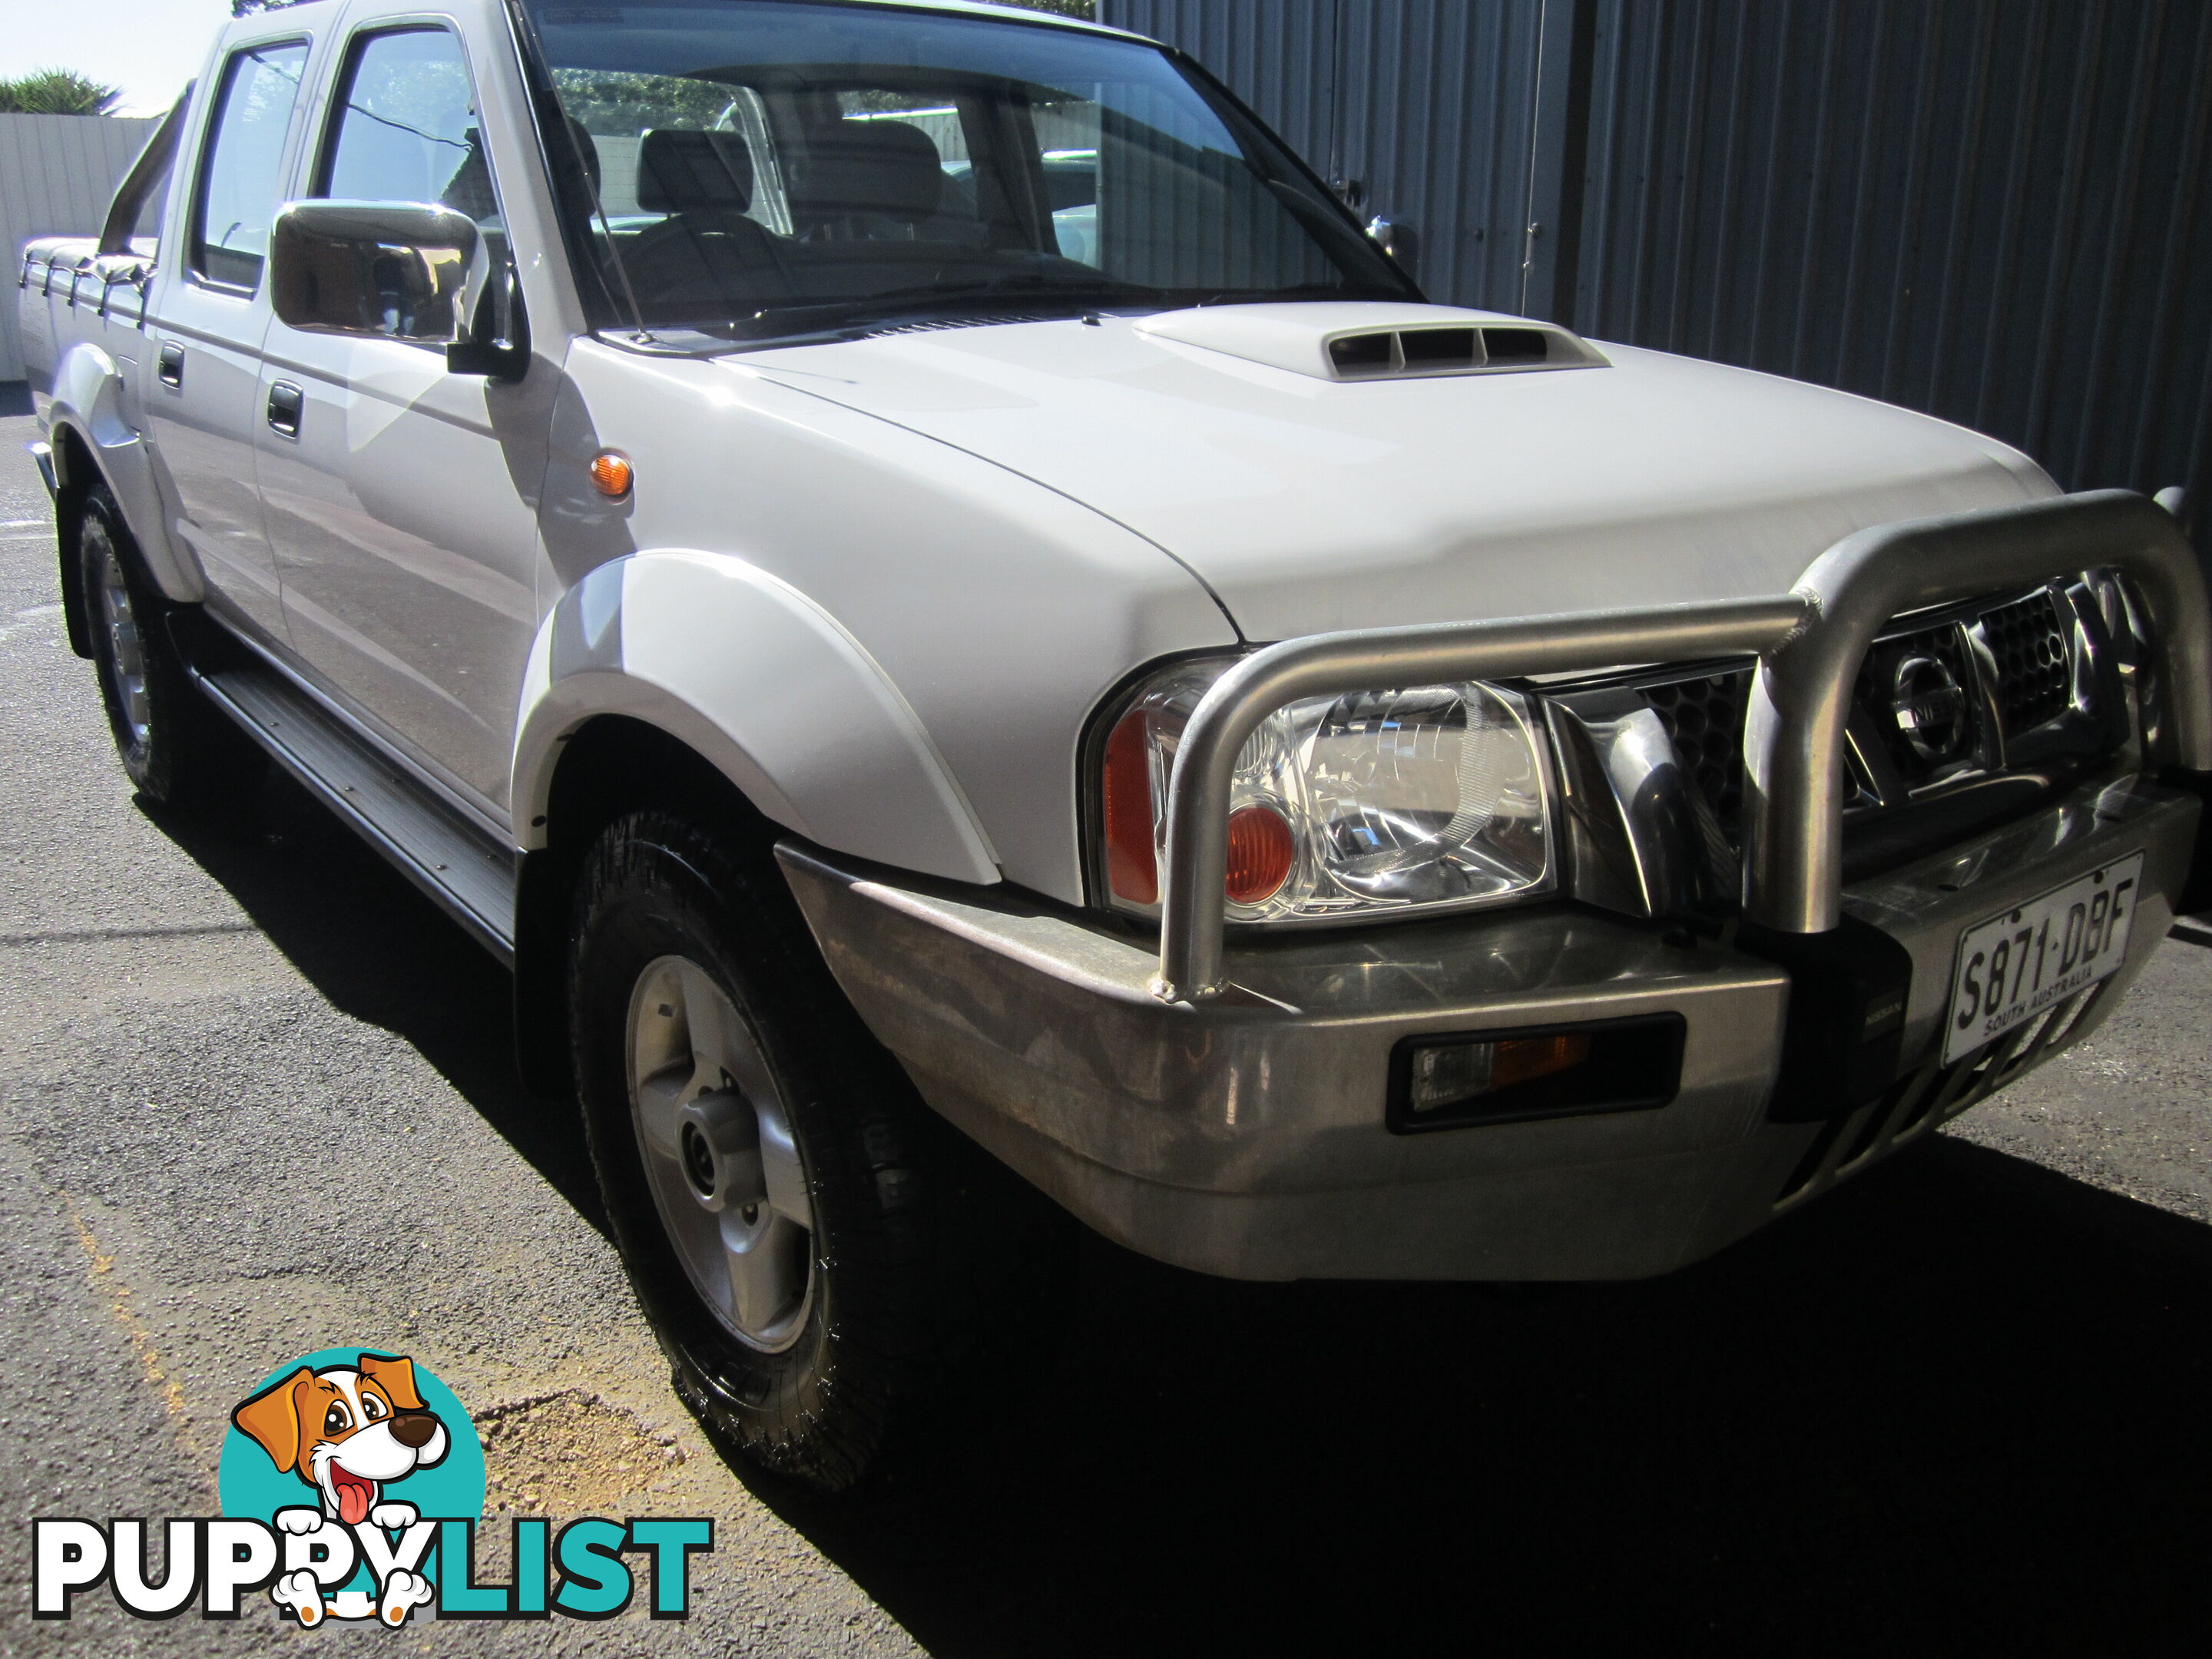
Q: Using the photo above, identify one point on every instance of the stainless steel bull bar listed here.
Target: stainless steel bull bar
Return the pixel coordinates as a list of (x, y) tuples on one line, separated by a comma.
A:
[(1809, 643)]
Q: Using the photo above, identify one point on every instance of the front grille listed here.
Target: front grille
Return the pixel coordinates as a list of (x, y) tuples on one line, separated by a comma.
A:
[(1874, 693), (1704, 717), (2028, 639)]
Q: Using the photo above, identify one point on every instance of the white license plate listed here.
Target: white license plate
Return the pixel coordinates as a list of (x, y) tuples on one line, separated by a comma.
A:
[(2013, 966)]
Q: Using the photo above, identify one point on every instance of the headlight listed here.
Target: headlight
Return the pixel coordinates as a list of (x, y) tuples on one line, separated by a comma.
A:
[(1429, 796)]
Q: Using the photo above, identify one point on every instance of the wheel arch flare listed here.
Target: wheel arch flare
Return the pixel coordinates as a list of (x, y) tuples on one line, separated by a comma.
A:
[(763, 683)]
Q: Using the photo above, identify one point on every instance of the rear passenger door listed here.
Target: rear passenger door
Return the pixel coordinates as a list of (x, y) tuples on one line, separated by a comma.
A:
[(401, 497), (209, 311)]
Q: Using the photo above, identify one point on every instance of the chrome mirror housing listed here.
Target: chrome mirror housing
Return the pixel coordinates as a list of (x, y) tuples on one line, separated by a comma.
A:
[(387, 271)]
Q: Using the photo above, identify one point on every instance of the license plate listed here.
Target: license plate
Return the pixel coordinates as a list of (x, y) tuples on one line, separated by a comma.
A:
[(2013, 966)]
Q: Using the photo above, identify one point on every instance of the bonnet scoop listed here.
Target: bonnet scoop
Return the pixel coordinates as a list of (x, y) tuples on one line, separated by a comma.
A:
[(1354, 340)]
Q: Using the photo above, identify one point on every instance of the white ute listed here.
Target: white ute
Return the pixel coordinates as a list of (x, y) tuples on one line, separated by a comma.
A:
[(906, 563)]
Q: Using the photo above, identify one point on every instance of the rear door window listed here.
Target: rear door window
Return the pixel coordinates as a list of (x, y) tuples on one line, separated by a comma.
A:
[(245, 151)]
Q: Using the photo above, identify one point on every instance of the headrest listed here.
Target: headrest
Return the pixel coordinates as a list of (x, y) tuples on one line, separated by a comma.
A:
[(882, 167), (684, 171)]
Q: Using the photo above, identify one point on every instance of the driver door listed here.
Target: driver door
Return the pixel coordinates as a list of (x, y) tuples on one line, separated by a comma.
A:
[(400, 496)]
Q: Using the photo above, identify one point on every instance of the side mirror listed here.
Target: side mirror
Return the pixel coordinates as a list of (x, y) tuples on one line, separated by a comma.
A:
[(382, 271), (1395, 238)]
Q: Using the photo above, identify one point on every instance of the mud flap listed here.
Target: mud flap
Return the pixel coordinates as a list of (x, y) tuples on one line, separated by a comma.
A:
[(541, 990)]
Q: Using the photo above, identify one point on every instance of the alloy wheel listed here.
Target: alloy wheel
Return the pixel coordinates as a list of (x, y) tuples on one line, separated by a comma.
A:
[(715, 1137), (127, 651)]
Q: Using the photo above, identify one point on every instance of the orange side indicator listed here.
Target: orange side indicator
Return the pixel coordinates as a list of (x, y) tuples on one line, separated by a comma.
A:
[(1260, 854), (611, 474), (1517, 1059), (1132, 866)]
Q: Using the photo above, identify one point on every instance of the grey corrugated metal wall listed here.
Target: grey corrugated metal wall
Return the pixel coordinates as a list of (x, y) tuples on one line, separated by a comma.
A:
[(56, 175), (1996, 210), (1428, 104), (1434, 117), (1279, 55)]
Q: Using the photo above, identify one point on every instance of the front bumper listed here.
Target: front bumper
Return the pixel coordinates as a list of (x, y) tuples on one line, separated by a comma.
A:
[(1243, 1135)]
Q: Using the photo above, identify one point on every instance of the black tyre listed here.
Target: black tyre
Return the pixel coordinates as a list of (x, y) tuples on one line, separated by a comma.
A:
[(798, 1227), (178, 749)]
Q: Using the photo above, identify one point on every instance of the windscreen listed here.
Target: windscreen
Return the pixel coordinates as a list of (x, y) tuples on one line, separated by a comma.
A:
[(760, 169)]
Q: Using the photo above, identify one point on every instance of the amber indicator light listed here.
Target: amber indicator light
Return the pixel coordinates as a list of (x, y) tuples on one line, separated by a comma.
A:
[(1261, 851), (1131, 867), (610, 475), (1262, 848), (1519, 1059)]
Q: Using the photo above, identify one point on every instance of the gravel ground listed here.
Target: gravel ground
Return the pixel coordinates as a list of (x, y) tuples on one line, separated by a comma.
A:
[(255, 1099)]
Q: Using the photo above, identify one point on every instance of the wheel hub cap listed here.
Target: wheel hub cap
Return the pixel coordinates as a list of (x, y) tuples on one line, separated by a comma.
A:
[(724, 1171)]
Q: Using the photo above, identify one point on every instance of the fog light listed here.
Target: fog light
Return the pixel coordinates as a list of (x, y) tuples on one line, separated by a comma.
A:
[(1445, 1077), (1503, 1076)]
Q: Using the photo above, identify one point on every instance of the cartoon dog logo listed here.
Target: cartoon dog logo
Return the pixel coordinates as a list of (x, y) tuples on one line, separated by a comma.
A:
[(349, 1433)]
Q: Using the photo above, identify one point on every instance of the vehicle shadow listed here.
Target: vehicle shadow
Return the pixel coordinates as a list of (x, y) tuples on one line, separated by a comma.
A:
[(1957, 1406), (380, 952)]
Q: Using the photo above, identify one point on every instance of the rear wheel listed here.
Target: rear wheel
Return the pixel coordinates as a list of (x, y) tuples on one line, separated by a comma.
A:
[(177, 748), (801, 1231)]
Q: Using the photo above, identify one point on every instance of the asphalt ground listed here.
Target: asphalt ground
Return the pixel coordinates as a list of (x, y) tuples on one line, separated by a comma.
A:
[(256, 1097)]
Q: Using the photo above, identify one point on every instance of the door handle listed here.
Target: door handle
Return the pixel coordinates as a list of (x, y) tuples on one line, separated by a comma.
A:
[(170, 364), (284, 404)]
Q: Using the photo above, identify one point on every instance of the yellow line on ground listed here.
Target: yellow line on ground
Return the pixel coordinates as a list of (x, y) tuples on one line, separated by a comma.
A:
[(117, 1295)]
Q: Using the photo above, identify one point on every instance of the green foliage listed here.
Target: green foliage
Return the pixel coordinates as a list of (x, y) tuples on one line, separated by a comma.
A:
[(57, 91), (613, 104)]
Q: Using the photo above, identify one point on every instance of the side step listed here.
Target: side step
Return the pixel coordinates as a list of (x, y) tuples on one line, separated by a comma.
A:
[(467, 873)]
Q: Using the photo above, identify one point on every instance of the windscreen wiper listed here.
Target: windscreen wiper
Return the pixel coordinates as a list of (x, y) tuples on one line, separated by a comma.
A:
[(1259, 296), (909, 300)]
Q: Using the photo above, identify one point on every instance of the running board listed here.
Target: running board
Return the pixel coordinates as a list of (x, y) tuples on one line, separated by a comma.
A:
[(464, 872)]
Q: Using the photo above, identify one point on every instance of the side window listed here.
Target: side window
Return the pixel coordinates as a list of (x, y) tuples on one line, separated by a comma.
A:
[(238, 179), (406, 130), (1067, 135)]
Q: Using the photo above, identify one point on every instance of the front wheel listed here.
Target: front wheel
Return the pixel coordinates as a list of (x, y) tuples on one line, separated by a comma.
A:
[(789, 1212), (714, 1133)]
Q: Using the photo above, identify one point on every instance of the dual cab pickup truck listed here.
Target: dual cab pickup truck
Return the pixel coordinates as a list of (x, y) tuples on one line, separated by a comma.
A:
[(909, 564)]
